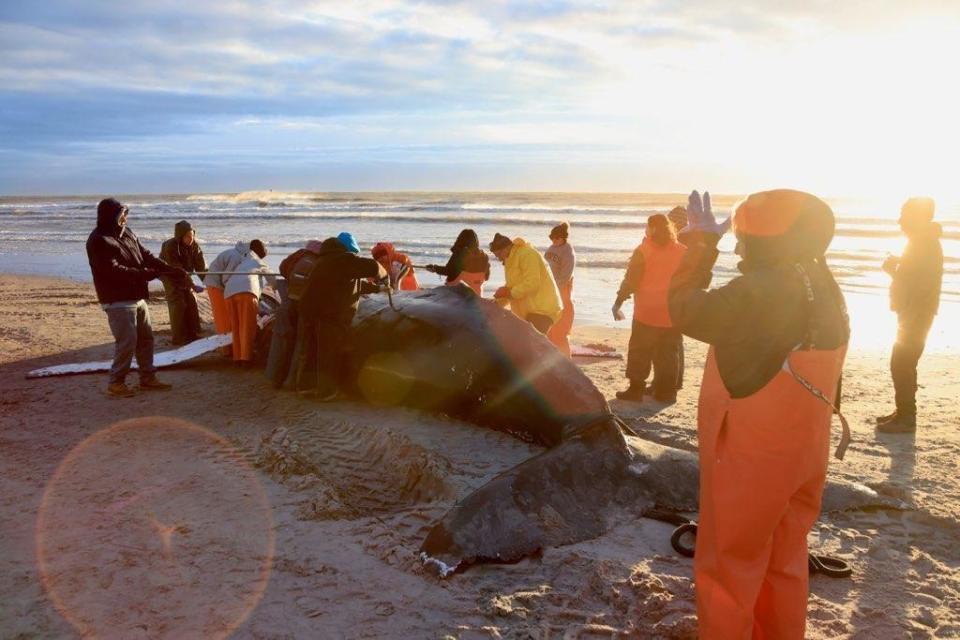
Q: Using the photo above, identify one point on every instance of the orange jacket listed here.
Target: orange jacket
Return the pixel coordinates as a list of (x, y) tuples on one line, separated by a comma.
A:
[(392, 260)]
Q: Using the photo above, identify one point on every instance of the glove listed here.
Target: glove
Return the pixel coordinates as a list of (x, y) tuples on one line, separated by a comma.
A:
[(198, 289), (617, 313), (432, 268), (149, 274), (502, 292), (890, 264), (700, 218)]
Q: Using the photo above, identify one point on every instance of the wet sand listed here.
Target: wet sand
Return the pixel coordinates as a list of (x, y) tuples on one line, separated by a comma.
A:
[(279, 518)]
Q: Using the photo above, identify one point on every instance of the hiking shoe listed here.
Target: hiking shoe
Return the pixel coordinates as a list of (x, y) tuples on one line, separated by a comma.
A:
[(900, 424), (120, 390), (152, 384), (887, 418), (666, 398), (633, 393)]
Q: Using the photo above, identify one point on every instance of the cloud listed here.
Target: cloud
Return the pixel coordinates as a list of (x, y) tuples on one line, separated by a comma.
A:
[(157, 85)]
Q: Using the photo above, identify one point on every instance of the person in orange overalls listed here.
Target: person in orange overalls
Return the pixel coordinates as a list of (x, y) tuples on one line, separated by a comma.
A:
[(778, 335), (398, 265), (654, 341)]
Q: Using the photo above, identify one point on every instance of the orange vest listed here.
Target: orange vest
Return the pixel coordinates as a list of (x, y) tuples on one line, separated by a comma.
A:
[(473, 280), (650, 290)]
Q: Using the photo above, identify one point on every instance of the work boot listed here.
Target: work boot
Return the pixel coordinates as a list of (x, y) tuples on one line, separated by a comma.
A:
[(887, 418), (666, 397), (900, 424), (633, 393), (150, 383), (120, 390)]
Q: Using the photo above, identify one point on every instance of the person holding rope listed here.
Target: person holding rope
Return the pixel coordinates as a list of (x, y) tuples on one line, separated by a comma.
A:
[(241, 292), (778, 335)]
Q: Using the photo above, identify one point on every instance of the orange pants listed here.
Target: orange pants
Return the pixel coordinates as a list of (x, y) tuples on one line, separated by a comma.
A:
[(221, 311), (243, 320), (763, 465), (560, 330)]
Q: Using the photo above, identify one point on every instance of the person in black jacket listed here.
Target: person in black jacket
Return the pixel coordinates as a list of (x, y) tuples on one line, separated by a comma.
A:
[(466, 245), (183, 251), (121, 269), (328, 305), (915, 298)]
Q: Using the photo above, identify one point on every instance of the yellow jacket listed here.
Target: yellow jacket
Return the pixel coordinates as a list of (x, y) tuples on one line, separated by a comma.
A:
[(532, 287)]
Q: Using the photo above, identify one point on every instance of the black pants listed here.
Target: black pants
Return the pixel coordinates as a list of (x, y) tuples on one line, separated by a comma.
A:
[(184, 313), (911, 340), (656, 347), (540, 322), (331, 338)]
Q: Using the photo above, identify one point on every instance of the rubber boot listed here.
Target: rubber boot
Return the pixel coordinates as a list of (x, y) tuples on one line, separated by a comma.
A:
[(633, 393)]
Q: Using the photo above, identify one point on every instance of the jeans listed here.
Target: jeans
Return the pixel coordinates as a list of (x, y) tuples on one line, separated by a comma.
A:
[(911, 340), (656, 348), (130, 325)]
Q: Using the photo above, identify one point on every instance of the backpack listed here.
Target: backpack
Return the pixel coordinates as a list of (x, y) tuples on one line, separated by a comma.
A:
[(299, 275)]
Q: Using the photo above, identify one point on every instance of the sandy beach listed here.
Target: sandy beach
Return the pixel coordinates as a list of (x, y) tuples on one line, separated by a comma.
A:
[(226, 506)]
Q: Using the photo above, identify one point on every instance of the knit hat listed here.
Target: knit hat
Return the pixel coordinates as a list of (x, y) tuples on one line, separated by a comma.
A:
[(783, 225), (346, 239), (562, 230), (500, 241)]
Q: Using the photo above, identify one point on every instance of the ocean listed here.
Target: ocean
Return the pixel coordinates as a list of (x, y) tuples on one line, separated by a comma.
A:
[(46, 235)]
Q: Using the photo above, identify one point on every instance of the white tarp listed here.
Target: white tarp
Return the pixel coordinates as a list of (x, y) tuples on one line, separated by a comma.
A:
[(164, 359)]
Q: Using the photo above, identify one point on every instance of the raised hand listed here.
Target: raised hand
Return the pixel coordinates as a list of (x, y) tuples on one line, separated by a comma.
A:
[(700, 218)]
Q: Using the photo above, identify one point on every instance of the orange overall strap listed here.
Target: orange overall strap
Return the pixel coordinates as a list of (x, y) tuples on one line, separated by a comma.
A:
[(845, 437)]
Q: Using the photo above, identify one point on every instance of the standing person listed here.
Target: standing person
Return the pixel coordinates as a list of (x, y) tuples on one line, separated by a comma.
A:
[(329, 303), (121, 269), (915, 298), (530, 289), (183, 251), (562, 260), (468, 263), (678, 217), (241, 292), (289, 337), (778, 335), (397, 265), (227, 260), (654, 341)]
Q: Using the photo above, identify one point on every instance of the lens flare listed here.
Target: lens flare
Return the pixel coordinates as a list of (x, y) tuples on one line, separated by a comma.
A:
[(154, 526)]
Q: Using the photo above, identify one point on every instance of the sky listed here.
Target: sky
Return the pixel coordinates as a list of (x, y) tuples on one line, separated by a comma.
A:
[(853, 97)]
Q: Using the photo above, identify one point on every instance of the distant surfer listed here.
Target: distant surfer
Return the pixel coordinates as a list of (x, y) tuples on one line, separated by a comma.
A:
[(121, 269)]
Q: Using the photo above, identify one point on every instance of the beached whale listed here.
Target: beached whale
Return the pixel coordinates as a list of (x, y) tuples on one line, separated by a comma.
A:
[(447, 350)]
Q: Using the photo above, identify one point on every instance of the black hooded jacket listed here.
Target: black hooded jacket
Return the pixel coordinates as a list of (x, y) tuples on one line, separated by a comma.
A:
[(465, 255), (755, 320), (177, 254), (121, 266), (336, 282), (915, 290)]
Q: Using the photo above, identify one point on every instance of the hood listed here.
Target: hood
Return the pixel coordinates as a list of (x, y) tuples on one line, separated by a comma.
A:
[(929, 231), (782, 226), (467, 238), (181, 228), (520, 242), (383, 249), (108, 215), (243, 248), (331, 246), (313, 246)]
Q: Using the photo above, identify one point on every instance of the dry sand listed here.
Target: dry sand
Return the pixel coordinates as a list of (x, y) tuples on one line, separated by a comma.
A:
[(279, 518)]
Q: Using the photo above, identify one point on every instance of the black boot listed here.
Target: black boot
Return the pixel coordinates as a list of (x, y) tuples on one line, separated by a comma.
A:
[(633, 393)]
